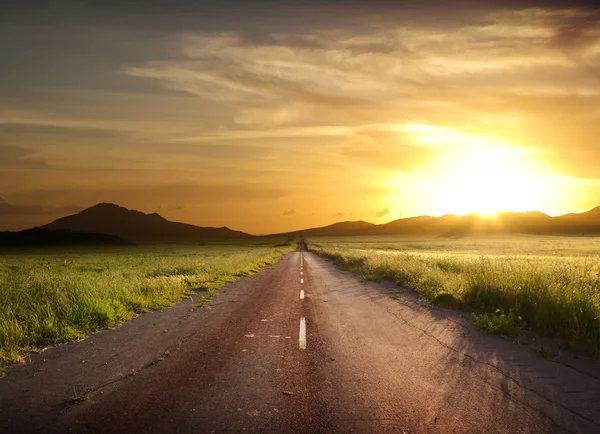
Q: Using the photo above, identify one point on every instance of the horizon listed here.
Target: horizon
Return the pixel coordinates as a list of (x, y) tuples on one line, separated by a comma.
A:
[(306, 228), (273, 116)]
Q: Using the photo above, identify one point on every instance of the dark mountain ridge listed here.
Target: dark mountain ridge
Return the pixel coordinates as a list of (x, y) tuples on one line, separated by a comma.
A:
[(139, 227), (339, 229), (36, 237), (507, 222)]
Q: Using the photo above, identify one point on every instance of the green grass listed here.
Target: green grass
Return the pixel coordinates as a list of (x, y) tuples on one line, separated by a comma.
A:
[(500, 323), (552, 283), (546, 352), (77, 399), (53, 296)]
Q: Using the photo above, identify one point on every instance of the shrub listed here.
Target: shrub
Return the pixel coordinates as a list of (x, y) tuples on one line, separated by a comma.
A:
[(500, 323)]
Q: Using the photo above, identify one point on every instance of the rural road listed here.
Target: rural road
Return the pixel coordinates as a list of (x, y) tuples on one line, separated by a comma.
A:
[(366, 363)]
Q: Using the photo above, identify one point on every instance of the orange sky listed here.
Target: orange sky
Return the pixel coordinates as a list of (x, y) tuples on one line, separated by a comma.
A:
[(268, 118)]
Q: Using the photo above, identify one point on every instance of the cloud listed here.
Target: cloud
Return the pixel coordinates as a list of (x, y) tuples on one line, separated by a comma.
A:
[(7, 209), (176, 208), (19, 157), (170, 193), (381, 213), (341, 79), (577, 32), (574, 28), (386, 150), (288, 212)]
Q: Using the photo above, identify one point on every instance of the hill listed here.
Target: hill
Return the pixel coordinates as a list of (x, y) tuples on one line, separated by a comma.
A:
[(340, 229), (46, 237), (507, 222), (140, 228)]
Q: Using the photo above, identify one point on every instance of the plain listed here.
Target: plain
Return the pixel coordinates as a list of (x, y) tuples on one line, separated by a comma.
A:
[(548, 284), (56, 295)]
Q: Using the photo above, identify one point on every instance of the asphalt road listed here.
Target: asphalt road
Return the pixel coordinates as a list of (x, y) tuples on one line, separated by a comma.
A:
[(367, 363)]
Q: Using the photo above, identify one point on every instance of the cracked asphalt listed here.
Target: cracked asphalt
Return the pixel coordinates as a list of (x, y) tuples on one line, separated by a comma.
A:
[(371, 364)]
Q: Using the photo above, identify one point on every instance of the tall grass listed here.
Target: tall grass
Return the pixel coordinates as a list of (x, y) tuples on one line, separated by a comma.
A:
[(54, 296), (559, 296)]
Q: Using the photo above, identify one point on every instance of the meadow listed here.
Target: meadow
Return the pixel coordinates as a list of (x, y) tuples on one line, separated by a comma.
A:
[(56, 295), (548, 284)]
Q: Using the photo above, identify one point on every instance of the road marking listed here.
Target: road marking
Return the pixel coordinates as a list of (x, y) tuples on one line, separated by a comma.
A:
[(302, 339), (301, 272), (301, 280), (302, 295)]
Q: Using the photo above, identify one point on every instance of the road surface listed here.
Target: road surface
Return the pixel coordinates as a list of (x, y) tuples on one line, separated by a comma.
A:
[(300, 347)]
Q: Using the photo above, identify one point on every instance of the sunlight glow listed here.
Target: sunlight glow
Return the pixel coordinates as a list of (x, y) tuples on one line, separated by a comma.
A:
[(489, 179), (475, 173)]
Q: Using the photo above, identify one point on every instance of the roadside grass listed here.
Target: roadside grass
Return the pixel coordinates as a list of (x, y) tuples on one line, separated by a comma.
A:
[(551, 283), (546, 352), (77, 399), (500, 323), (58, 295)]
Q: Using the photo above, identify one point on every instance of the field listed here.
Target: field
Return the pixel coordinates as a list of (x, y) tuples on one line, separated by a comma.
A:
[(50, 296), (548, 284)]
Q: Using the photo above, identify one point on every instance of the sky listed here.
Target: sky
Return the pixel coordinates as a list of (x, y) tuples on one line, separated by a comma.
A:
[(271, 116)]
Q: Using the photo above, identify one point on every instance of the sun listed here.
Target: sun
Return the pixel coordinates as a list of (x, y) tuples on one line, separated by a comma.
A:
[(486, 180), (479, 173)]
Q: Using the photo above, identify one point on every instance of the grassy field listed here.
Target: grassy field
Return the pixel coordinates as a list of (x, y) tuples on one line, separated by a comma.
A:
[(550, 284), (50, 296)]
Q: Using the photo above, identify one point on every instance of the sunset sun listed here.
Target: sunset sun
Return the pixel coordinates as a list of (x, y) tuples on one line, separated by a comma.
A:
[(488, 179)]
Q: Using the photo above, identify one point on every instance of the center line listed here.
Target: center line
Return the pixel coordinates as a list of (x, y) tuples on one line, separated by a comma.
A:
[(302, 333), (301, 280), (302, 295), (301, 272)]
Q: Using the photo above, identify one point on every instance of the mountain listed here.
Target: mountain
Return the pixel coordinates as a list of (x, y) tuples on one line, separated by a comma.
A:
[(46, 237), (587, 222), (138, 227), (507, 222), (337, 229)]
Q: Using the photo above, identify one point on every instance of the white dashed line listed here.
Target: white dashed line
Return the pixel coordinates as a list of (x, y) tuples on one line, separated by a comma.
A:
[(302, 295), (301, 272), (302, 339), (301, 280)]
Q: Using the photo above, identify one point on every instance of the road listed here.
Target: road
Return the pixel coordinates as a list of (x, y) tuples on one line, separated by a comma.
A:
[(367, 363)]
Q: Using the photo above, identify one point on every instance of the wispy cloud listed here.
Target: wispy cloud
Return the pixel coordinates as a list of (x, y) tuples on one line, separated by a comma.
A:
[(336, 82), (380, 213), (7, 209)]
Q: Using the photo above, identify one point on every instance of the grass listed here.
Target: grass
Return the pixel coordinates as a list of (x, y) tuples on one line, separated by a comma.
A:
[(53, 296), (552, 283), (500, 323), (77, 399), (546, 352)]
